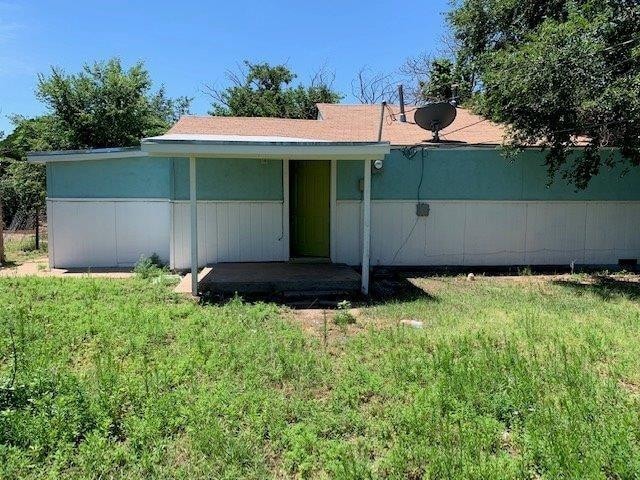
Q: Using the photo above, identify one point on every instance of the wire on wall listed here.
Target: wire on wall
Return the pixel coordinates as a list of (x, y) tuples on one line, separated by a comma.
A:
[(410, 153)]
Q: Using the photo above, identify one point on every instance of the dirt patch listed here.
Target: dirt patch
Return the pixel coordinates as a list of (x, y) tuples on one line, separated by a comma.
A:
[(319, 323), (630, 387), (40, 268)]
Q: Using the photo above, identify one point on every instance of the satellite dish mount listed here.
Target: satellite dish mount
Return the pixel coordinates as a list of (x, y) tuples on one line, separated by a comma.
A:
[(435, 117), (435, 128)]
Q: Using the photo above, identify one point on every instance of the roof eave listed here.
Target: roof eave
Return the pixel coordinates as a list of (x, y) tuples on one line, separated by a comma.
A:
[(84, 155), (267, 150)]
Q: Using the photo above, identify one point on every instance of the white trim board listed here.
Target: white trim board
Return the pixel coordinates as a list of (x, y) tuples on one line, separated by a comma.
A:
[(84, 155), (114, 199)]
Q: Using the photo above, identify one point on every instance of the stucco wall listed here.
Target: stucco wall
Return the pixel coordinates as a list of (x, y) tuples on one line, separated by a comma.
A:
[(475, 174), (229, 179), (137, 177), (447, 174)]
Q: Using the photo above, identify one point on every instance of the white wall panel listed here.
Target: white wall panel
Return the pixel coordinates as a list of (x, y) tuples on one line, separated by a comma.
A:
[(555, 233), (410, 233), (229, 231), (445, 234), (492, 233), (142, 228), (349, 232), (107, 233), (612, 232)]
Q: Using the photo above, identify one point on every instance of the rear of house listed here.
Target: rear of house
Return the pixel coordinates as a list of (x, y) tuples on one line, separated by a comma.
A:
[(268, 190)]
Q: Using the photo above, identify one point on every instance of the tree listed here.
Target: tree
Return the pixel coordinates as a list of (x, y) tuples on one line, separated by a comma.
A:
[(107, 106), (102, 106), (22, 185), (433, 79), (2, 259), (262, 90), (559, 73)]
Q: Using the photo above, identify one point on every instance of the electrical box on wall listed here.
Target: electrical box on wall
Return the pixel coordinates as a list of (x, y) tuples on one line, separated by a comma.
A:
[(422, 209)]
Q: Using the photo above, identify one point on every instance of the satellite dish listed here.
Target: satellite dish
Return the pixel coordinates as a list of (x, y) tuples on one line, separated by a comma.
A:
[(435, 116)]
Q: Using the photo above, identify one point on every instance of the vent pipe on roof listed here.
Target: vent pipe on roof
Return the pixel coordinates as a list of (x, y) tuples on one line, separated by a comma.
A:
[(382, 107), (403, 116), (454, 95)]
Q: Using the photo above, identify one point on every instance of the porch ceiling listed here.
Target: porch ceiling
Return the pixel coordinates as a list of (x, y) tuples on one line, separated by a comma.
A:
[(239, 146)]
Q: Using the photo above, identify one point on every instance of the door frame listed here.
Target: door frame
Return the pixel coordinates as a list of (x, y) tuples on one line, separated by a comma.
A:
[(333, 210)]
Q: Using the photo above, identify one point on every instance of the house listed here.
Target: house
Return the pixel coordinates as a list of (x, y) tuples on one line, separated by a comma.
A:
[(355, 186)]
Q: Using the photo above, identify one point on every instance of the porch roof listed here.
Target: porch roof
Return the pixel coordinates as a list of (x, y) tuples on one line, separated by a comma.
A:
[(257, 146)]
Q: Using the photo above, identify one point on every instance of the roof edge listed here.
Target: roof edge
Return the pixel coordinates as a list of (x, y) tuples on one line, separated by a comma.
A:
[(86, 154)]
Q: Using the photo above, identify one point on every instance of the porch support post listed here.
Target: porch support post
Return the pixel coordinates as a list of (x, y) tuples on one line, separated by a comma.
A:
[(366, 226), (333, 210), (193, 220), (286, 254)]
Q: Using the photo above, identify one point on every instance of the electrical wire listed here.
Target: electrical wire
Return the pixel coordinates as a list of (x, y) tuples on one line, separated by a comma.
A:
[(415, 223), (466, 126)]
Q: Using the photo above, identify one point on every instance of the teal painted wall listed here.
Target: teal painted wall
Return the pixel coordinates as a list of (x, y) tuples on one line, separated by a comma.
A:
[(220, 179), (119, 178), (230, 179), (447, 174), (466, 174)]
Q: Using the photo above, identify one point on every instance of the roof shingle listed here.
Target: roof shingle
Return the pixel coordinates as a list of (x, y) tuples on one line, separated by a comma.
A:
[(348, 123)]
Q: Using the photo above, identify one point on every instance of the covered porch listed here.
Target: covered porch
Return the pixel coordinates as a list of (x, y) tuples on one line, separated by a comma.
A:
[(209, 148)]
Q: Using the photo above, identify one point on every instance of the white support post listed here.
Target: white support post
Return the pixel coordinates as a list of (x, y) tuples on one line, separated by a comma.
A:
[(366, 226), (286, 255), (194, 226), (333, 226)]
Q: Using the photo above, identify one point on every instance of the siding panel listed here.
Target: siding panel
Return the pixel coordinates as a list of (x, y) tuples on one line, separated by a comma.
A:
[(349, 232), (492, 233), (90, 233), (229, 232)]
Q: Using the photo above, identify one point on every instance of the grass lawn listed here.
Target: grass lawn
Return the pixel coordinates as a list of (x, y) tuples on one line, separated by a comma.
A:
[(523, 378), (19, 248)]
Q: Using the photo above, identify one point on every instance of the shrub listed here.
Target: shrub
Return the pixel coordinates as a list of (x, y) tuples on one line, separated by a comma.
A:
[(150, 267), (343, 316)]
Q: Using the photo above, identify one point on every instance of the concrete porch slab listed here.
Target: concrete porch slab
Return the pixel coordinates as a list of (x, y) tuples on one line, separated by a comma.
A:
[(185, 282), (276, 277)]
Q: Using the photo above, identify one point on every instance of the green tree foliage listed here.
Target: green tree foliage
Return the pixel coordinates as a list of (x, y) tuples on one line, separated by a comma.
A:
[(104, 105), (443, 76), (263, 90), (559, 73), (22, 185)]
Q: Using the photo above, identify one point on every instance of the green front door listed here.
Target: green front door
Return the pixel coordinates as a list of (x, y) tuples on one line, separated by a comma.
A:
[(310, 198)]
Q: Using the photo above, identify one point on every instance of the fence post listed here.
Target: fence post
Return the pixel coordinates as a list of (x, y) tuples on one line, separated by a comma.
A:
[(1, 236), (37, 228)]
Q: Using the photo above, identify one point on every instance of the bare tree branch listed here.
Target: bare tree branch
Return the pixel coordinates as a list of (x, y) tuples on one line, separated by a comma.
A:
[(234, 77), (374, 87), (323, 77)]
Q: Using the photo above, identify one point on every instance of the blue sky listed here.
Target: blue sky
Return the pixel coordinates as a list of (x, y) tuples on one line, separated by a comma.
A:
[(190, 43)]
